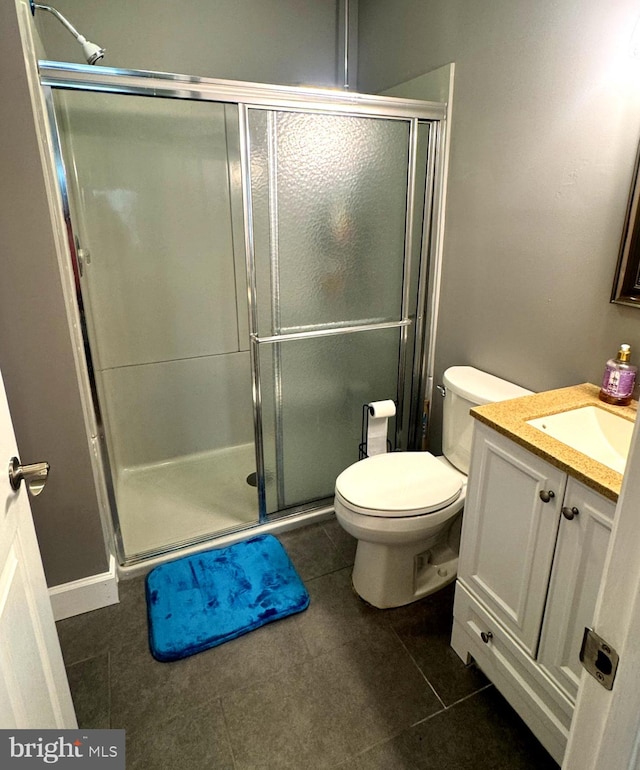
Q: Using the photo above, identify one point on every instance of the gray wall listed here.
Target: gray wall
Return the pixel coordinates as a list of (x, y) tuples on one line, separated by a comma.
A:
[(36, 356), (546, 122), (272, 41)]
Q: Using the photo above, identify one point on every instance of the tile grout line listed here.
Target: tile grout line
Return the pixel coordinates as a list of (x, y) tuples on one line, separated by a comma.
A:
[(228, 732), (330, 572), (471, 694), (85, 660), (381, 742), (375, 745), (422, 674), (305, 644), (333, 542), (456, 703), (334, 549), (410, 727)]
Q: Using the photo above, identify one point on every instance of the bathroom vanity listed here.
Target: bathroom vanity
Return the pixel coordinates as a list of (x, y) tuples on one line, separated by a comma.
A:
[(535, 533)]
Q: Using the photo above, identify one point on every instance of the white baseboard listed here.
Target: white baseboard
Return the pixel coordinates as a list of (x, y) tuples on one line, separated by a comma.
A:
[(90, 593)]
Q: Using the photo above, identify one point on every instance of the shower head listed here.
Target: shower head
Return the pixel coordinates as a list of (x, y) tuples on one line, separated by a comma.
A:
[(92, 52)]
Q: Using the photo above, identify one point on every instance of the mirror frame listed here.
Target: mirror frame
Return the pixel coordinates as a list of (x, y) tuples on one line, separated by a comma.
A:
[(626, 286)]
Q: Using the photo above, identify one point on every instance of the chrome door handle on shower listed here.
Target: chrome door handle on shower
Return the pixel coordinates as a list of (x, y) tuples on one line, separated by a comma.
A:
[(34, 475)]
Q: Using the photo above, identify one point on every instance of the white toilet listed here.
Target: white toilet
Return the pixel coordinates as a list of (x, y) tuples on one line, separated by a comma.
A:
[(404, 508)]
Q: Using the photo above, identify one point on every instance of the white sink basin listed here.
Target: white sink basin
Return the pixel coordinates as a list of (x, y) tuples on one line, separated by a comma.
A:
[(601, 435)]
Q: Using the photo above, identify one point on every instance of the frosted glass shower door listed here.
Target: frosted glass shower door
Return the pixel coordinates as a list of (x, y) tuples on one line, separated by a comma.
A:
[(329, 204)]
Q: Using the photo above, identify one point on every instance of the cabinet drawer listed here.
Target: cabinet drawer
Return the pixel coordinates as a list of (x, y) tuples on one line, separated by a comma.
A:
[(545, 709)]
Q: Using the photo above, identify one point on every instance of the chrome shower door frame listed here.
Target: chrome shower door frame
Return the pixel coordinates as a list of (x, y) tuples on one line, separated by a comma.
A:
[(248, 96)]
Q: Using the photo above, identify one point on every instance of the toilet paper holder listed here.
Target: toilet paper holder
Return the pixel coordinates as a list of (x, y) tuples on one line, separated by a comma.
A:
[(364, 432)]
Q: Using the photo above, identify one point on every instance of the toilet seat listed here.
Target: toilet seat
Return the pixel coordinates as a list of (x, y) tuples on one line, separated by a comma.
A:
[(399, 484)]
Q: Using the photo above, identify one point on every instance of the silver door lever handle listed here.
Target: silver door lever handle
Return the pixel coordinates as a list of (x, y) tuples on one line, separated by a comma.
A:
[(34, 475)]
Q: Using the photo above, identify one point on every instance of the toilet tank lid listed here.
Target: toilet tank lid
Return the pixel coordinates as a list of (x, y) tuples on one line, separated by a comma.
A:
[(480, 387)]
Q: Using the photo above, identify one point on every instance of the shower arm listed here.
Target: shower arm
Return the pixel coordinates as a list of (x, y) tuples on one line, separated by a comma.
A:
[(93, 52), (80, 38)]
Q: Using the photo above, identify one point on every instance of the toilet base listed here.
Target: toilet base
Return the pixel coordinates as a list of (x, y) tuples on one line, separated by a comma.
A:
[(392, 576)]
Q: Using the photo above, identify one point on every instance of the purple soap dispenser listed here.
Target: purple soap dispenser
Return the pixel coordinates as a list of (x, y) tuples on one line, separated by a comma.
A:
[(619, 379)]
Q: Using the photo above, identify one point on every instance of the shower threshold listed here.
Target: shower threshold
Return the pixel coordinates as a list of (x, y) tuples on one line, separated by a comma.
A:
[(167, 503)]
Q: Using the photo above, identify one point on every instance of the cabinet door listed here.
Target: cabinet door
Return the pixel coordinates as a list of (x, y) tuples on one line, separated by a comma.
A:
[(575, 581), (509, 533)]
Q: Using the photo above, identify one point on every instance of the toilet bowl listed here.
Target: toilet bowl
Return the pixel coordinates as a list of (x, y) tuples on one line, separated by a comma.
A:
[(405, 508), (408, 544)]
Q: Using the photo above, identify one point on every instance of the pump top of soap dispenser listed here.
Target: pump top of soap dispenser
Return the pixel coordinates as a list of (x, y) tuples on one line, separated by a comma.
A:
[(624, 353)]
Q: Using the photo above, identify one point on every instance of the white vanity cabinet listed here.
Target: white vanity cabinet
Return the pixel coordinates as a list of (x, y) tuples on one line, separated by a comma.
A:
[(533, 547), (575, 580)]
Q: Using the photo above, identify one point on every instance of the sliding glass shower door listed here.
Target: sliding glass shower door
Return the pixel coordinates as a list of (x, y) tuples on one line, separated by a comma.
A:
[(157, 224), (332, 203), (250, 264)]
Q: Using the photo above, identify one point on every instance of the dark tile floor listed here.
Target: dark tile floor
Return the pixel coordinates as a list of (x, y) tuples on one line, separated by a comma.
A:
[(340, 685)]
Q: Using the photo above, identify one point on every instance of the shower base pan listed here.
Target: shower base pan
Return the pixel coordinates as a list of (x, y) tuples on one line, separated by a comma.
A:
[(168, 503)]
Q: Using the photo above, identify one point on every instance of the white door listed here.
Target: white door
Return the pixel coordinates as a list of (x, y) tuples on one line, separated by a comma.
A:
[(34, 692), (605, 733)]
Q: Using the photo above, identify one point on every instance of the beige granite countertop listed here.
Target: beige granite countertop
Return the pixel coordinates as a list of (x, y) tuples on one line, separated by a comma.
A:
[(510, 419)]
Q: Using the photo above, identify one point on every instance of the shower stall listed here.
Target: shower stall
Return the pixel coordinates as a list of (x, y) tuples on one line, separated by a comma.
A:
[(252, 264)]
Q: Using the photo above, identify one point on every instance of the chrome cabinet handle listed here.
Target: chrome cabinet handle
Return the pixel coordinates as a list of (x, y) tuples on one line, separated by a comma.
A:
[(486, 636), (546, 496), (570, 513), (34, 475)]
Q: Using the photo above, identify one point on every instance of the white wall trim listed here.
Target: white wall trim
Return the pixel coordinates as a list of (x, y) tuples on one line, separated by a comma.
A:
[(90, 593)]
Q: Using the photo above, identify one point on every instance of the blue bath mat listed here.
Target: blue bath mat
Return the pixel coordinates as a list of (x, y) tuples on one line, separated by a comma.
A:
[(204, 600)]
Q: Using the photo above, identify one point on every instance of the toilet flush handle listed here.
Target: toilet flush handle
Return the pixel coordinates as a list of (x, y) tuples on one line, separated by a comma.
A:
[(441, 390)]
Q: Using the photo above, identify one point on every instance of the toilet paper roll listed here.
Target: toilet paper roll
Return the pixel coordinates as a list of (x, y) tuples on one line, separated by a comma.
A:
[(377, 426), (382, 408)]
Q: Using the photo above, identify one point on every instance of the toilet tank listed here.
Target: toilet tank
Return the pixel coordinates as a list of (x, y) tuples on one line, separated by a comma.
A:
[(467, 387)]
